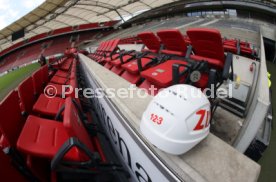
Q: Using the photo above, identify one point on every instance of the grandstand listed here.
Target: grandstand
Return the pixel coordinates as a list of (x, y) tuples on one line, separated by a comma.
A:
[(50, 130)]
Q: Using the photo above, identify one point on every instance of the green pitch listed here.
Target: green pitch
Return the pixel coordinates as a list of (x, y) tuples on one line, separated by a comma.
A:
[(12, 79)]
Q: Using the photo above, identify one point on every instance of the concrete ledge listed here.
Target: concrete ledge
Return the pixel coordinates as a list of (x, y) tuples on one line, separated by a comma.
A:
[(211, 160)]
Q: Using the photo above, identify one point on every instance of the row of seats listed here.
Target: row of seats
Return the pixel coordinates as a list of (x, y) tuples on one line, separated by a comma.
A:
[(56, 32), (169, 57), (38, 124), (239, 47)]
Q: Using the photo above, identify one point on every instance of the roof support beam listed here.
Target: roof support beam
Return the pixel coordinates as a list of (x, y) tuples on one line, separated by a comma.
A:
[(75, 17), (61, 22), (120, 15), (141, 1), (105, 6), (90, 11)]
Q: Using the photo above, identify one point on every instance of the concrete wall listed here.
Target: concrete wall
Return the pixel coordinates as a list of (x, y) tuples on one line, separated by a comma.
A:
[(258, 107)]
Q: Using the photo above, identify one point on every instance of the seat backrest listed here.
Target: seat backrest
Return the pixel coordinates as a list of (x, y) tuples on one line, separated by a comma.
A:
[(150, 40), (174, 42), (11, 121), (207, 43), (105, 44), (114, 45), (73, 124), (26, 94), (45, 74), (108, 45), (38, 79), (100, 46)]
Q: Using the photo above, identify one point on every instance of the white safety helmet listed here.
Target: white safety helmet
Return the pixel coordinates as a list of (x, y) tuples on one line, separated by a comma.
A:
[(177, 119)]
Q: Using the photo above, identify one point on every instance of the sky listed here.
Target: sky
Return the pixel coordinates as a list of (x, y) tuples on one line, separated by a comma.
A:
[(12, 10)]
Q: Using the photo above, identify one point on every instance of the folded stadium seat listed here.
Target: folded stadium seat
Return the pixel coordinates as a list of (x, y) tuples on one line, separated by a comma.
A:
[(37, 136), (115, 51), (63, 74), (247, 51), (67, 64), (173, 41), (64, 80), (207, 46), (105, 49), (153, 45), (100, 48), (58, 63), (232, 46), (108, 53), (234, 42), (37, 78), (72, 81), (43, 106), (239, 47)]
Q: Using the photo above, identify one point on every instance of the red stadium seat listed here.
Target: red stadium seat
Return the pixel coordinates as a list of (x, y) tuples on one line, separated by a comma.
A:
[(161, 75), (27, 95), (207, 46), (151, 41), (153, 45), (44, 105), (48, 106), (174, 44), (60, 80), (112, 48), (38, 84), (12, 121), (43, 138), (63, 74), (173, 41)]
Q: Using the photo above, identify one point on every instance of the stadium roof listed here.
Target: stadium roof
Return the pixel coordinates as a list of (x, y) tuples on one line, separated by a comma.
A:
[(54, 14)]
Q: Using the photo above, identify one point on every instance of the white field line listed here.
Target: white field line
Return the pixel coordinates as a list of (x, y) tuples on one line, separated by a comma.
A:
[(191, 23), (244, 29), (209, 22), (155, 26)]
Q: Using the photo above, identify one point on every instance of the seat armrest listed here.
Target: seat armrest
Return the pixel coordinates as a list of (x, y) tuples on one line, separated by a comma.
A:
[(66, 147), (228, 64), (189, 51), (176, 74), (212, 80), (238, 47)]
